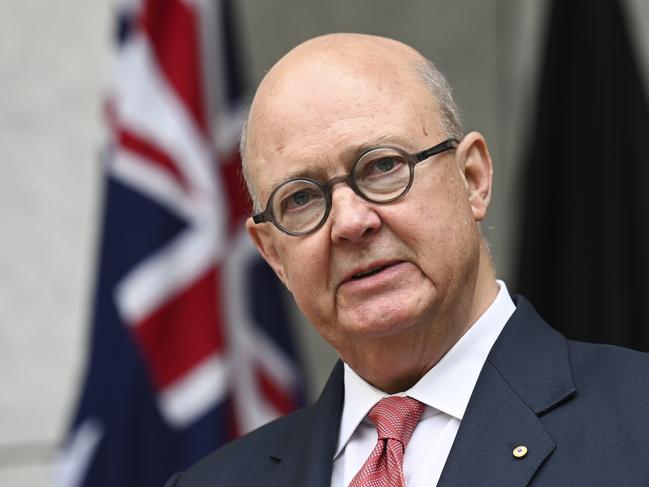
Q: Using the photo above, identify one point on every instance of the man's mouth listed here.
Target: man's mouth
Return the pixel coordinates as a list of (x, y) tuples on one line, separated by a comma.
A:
[(370, 272)]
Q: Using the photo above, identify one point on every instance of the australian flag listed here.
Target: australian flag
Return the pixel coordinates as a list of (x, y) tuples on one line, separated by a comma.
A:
[(190, 345)]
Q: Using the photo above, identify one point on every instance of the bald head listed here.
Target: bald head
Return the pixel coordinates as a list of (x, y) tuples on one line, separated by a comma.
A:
[(332, 69)]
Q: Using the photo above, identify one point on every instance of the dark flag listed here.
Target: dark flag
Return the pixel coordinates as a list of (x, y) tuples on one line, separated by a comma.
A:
[(584, 258), (190, 345)]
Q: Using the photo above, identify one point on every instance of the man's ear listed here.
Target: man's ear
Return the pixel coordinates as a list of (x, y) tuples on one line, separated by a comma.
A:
[(477, 170), (263, 240)]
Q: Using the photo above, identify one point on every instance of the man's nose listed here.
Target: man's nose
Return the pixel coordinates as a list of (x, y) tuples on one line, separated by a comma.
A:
[(353, 218)]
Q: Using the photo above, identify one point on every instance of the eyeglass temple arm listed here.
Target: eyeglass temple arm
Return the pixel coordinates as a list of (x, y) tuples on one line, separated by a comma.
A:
[(263, 216), (444, 146)]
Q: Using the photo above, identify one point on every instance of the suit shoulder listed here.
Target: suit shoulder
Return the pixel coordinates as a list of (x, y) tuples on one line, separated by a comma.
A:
[(246, 459), (610, 367), (604, 356)]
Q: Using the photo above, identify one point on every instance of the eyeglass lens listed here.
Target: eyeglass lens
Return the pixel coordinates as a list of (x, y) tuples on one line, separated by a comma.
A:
[(380, 175)]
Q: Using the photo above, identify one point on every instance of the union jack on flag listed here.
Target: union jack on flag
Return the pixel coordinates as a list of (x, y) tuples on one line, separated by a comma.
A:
[(190, 343)]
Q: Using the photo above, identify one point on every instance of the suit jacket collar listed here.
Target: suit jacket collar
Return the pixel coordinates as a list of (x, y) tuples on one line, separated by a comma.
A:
[(307, 455), (526, 374), (533, 357)]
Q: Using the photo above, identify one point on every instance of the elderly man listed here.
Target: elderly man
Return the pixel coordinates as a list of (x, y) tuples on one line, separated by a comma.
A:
[(368, 201)]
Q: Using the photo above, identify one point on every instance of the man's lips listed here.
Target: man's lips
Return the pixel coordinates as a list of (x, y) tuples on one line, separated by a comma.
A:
[(369, 270)]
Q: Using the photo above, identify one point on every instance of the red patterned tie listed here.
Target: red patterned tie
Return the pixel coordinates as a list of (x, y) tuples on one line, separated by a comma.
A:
[(395, 418)]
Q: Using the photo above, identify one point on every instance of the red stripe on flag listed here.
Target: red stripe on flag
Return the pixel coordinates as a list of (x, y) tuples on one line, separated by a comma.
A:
[(172, 29), (238, 201), (231, 421), (151, 154), (183, 331), (282, 399)]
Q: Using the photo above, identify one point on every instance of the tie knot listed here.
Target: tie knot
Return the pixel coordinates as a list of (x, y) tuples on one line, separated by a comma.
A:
[(396, 417)]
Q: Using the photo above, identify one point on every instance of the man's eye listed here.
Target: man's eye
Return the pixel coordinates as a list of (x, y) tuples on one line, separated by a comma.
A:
[(298, 200), (382, 166)]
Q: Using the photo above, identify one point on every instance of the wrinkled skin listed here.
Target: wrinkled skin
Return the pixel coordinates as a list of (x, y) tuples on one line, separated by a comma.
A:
[(312, 113)]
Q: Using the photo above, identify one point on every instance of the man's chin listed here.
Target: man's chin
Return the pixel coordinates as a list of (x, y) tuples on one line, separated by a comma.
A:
[(377, 325)]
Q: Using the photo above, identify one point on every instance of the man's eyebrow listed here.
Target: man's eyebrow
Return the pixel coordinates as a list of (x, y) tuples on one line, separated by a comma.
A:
[(353, 152), (349, 155)]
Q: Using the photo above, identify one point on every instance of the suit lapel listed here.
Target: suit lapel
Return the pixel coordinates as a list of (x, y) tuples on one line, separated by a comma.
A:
[(497, 423), (307, 456), (526, 374)]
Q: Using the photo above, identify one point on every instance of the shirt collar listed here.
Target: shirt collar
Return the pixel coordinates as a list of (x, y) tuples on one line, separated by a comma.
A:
[(448, 386)]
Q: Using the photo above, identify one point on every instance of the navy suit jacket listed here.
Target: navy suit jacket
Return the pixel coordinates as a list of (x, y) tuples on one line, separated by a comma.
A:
[(581, 410)]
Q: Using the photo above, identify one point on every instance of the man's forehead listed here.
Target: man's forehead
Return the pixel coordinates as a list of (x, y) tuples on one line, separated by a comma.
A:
[(324, 164), (312, 95)]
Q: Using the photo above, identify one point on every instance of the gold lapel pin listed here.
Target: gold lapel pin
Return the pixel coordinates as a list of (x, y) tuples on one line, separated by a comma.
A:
[(519, 451)]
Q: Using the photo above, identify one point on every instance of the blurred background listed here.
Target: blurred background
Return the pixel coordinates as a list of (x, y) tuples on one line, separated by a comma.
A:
[(559, 91)]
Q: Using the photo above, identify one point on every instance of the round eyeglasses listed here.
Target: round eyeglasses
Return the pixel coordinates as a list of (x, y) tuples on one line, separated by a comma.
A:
[(382, 174)]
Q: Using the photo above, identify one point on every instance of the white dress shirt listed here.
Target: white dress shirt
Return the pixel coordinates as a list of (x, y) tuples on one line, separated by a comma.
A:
[(445, 390)]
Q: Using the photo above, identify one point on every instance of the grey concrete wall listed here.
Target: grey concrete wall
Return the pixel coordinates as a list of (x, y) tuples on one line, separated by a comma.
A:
[(54, 60)]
